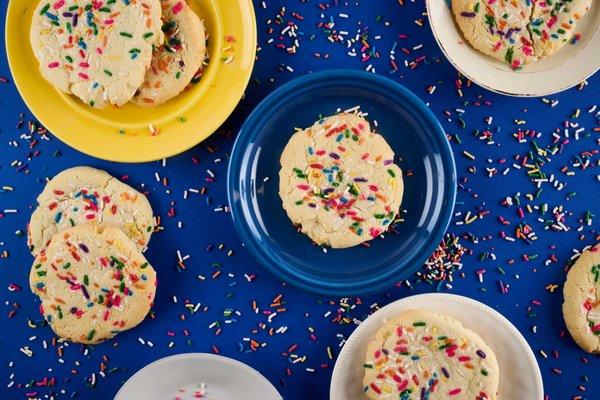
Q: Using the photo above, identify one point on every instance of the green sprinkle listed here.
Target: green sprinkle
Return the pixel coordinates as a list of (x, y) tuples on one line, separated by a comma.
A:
[(69, 59), (91, 334), (86, 280), (489, 20), (419, 323), (299, 202), (368, 366), (67, 266), (508, 57), (41, 273), (148, 34), (44, 9), (144, 265), (476, 9), (484, 372), (126, 34), (392, 173), (108, 73)]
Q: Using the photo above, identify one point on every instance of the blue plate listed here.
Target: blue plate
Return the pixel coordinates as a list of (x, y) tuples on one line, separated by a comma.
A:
[(416, 138)]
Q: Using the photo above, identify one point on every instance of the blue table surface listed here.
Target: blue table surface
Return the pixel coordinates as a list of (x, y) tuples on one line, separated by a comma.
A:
[(297, 361)]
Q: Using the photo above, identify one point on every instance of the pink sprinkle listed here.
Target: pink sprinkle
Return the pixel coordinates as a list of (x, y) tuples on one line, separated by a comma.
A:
[(109, 21), (53, 64), (98, 50), (58, 4), (303, 187), (552, 21), (374, 232), (177, 7), (454, 392), (84, 64), (84, 76)]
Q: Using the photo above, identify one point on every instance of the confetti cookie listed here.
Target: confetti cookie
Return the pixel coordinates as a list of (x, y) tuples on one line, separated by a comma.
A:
[(581, 308), (553, 24), (98, 50), (497, 28), (177, 61), (339, 183), (424, 355), (84, 195), (93, 283), (518, 31)]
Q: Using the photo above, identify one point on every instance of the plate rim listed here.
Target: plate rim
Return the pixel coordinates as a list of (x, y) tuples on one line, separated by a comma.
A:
[(250, 51), (491, 88), (234, 173), (440, 297), (198, 356)]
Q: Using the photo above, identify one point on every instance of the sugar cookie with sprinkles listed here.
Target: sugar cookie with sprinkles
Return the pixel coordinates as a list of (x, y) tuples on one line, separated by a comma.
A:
[(178, 60), (339, 183), (85, 195), (553, 24), (497, 28), (581, 306), (519, 31), (424, 355), (98, 50), (93, 283)]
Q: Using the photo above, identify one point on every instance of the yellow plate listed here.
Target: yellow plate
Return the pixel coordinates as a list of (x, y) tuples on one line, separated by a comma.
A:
[(125, 134)]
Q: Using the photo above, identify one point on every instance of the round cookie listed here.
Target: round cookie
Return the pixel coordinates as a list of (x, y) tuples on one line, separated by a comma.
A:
[(93, 283), (581, 308), (175, 63), (339, 183), (98, 50), (553, 24), (424, 355), (497, 28), (84, 195)]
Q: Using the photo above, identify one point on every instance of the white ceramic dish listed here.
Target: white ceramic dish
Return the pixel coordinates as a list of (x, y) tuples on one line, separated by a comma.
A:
[(565, 69), (181, 376), (519, 371)]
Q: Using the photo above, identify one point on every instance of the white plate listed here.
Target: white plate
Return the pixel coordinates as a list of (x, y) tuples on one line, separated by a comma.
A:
[(519, 372), (183, 374), (571, 65)]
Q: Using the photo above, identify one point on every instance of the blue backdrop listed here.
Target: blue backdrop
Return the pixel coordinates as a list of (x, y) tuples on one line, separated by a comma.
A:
[(219, 314)]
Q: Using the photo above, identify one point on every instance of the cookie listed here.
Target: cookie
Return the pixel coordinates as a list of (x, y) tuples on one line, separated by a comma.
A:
[(339, 183), (175, 63), (424, 355), (98, 50), (84, 195), (497, 28), (519, 31), (581, 307), (553, 24), (93, 283)]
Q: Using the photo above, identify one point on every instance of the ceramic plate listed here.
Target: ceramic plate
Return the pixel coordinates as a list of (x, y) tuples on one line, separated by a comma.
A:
[(417, 140), (519, 371), (203, 107), (186, 376), (571, 65)]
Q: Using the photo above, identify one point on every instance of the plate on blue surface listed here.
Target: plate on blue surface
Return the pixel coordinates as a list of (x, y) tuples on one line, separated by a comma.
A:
[(418, 142), (519, 370), (197, 376)]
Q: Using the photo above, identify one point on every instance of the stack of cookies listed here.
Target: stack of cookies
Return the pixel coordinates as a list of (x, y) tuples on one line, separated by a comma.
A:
[(87, 236), (116, 51)]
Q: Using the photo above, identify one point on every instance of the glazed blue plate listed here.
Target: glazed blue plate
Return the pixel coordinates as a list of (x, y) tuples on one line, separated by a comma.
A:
[(420, 145)]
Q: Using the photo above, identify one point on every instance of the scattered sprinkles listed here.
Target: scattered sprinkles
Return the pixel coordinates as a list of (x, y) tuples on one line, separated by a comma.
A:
[(525, 208)]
